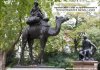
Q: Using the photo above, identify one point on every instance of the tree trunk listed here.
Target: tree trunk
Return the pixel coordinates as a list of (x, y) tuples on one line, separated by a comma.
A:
[(2, 60), (75, 44)]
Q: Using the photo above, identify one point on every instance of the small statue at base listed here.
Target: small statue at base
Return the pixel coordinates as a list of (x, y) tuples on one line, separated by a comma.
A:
[(88, 50)]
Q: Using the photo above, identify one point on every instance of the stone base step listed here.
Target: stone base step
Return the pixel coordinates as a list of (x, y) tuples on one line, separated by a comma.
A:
[(35, 69)]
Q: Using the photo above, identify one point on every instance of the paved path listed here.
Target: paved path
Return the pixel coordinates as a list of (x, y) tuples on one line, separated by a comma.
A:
[(35, 69)]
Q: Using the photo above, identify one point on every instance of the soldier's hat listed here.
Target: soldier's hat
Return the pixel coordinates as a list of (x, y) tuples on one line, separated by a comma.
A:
[(36, 3), (85, 37)]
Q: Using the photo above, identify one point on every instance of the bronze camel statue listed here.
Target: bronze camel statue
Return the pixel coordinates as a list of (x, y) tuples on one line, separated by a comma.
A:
[(39, 32)]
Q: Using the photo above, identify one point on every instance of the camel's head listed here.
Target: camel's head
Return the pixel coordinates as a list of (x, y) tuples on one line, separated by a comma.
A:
[(61, 19)]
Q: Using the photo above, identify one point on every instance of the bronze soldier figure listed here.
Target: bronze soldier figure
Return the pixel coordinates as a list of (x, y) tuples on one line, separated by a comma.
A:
[(88, 49), (36, 16)]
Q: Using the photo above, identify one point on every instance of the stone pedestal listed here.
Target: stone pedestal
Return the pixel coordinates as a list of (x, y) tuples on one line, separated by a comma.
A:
[(85, 65), (2, 61), (35, 69)]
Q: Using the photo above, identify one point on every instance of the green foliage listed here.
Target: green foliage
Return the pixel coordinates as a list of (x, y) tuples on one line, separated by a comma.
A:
[(12, 19), (94, 34), (60, 59), (97, 55), (11, 60)]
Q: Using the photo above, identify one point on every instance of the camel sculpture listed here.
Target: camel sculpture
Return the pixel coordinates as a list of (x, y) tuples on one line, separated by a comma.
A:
[(41, 32)]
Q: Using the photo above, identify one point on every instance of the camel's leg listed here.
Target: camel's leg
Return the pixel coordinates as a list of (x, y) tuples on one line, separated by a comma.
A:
[(24, 41), (30, 44), (42, 44)]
